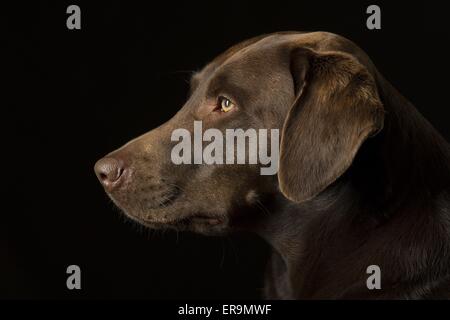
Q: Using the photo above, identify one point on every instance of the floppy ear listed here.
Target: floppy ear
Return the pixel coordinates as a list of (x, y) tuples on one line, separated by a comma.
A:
[(336, 108)]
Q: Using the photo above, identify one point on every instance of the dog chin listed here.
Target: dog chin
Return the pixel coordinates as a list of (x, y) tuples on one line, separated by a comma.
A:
[(206, 224), (203, 223), (199, 227)]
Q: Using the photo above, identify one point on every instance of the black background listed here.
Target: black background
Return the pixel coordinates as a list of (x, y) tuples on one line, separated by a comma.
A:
[(71, 96)]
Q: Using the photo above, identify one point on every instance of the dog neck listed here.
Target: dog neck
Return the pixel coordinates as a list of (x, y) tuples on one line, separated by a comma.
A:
[(397, 174), (286, 229), (416, 158)]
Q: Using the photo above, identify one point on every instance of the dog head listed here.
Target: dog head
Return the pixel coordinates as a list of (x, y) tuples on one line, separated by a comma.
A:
[(317, 89)]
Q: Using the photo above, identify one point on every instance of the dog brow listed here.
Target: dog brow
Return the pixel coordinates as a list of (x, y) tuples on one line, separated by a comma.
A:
[(194, 81)]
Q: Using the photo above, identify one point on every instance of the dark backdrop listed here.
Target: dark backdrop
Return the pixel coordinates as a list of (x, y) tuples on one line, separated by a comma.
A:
[(72, 96)]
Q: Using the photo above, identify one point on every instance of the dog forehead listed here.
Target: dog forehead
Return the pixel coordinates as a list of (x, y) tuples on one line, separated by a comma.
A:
[(244, 52), (263, 49)]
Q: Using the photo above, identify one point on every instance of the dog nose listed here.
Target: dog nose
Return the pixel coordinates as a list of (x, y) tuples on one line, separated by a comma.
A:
[(109, 171)]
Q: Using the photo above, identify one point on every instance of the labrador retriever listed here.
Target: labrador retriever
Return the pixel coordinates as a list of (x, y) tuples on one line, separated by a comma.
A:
[(363, 181)]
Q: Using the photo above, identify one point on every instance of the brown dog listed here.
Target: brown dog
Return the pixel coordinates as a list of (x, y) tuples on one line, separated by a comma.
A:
[(363, 178)]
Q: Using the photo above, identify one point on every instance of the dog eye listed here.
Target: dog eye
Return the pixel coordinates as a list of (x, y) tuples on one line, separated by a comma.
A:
[(225, 104)]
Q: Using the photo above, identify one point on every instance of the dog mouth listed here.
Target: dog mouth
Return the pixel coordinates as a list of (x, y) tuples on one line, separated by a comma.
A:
[(195, 221), (157, 217), (167, 199)]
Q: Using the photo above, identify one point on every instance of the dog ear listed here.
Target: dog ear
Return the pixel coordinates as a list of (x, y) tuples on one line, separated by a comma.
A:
[(335, 109)]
